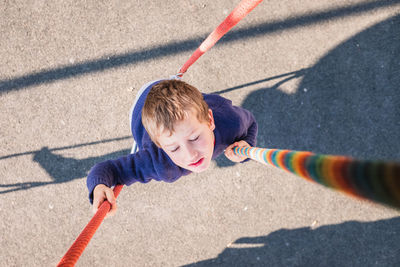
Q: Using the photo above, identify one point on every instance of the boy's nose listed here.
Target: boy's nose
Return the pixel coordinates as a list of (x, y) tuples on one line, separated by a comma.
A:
[(191, 154)]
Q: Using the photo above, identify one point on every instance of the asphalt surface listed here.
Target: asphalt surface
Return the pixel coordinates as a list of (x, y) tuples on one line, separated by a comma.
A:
[(322, 76)]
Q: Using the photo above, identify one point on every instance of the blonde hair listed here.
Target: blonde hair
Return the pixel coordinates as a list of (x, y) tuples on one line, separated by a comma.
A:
[(168, 102)]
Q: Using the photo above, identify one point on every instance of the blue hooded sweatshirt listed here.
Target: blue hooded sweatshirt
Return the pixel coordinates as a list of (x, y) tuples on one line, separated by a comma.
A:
[(232, 124)]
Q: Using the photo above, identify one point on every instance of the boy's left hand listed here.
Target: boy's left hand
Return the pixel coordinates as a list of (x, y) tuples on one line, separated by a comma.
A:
[(229, 151)]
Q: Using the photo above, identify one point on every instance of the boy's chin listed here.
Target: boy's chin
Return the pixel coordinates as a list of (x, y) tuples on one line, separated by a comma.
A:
[(200, 169)]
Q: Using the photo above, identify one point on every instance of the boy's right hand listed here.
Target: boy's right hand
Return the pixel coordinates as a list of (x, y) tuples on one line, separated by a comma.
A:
[(101, 193)]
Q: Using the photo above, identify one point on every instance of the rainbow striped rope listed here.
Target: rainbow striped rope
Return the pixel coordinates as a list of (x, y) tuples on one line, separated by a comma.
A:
[(377, 181)]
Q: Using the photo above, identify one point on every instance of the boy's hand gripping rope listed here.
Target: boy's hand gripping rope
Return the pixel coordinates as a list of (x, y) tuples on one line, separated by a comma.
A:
[(377, 181), (77, 248)]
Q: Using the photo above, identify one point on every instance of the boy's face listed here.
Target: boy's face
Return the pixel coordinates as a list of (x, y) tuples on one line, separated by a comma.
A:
[(191, 145)]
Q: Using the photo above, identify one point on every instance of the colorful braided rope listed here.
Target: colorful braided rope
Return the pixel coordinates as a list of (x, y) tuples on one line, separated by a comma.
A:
[(377, 181)]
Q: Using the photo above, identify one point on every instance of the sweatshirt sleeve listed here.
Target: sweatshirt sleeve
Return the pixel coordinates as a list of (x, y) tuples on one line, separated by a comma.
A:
[(250, 127), (238, 124), (143, 166), (232, 123)]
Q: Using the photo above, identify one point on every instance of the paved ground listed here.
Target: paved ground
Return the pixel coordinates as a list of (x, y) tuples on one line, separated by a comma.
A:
[(319, 75)]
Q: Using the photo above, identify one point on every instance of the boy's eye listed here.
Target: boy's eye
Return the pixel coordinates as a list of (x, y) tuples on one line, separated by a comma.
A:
[(194, 139), (175, 149)]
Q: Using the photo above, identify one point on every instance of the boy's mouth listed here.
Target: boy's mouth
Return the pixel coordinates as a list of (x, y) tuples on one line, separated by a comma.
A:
[(197, 163)]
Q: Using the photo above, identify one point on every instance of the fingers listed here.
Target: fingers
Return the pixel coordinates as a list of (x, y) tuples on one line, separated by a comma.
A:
[(232, 157), (111, 198), (98, 198), (102, 193), (243, 144), (229, 151), (96, 205), (230, 154)]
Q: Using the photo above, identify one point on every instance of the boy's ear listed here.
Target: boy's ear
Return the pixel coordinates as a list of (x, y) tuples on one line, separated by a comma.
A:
[(211, 123)]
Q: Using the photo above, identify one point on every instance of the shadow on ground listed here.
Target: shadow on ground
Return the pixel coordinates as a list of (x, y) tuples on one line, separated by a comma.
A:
[(348, 103), (347, 244), (173, 48), (61, 169)]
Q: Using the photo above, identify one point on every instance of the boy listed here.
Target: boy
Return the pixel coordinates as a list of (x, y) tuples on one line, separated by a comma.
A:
[(178, 130)]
